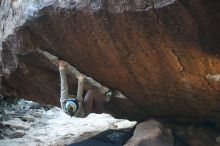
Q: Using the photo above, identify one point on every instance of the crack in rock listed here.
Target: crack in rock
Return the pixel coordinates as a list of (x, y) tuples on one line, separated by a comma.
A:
[(181, 67)]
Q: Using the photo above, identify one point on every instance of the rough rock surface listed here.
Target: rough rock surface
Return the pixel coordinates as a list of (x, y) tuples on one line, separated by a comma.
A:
[(151, 133), (160, 53), (51, 126)]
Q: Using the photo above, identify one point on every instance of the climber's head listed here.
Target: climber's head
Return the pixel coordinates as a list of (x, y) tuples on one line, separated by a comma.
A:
[(71, 106)]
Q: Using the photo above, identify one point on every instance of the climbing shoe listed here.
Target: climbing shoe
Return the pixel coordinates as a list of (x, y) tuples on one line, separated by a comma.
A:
[(109, 94)]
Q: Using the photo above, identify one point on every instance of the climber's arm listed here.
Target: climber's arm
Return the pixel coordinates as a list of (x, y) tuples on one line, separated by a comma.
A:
[(63, 84), (80, 111), (80, 88)]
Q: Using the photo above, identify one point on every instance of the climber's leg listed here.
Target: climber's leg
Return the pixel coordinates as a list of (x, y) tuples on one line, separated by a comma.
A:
[(92, 101)]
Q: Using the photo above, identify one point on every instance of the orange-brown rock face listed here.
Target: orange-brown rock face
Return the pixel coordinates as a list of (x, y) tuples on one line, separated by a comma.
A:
[(161, 54)]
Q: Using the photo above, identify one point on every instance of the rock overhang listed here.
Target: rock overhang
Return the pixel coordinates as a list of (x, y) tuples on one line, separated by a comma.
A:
[(153, 52)]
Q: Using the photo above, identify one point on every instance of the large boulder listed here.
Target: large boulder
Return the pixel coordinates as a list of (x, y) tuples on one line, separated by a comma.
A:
[(151, 133), (162, 54)]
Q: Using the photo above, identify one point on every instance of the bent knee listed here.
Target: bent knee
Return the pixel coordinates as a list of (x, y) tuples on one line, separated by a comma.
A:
[(91, 92)]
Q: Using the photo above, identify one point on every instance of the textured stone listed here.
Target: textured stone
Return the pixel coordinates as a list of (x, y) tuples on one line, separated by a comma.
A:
[(16, 134), (28, 118), (151, 133), (158, 53), (203, 134), (17, 124), (217, 139), (55, 128)]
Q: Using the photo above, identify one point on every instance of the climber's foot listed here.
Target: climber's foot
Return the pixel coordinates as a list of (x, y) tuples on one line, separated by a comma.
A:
[(109, 94)]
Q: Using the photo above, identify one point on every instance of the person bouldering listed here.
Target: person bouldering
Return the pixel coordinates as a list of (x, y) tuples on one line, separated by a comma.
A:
[(77, 105)]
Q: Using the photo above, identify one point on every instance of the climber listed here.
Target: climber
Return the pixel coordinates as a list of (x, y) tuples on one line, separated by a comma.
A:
[(79, 106)]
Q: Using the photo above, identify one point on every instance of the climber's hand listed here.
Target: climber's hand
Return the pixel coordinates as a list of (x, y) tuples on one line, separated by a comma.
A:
[(61, 64), (81, 78)]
